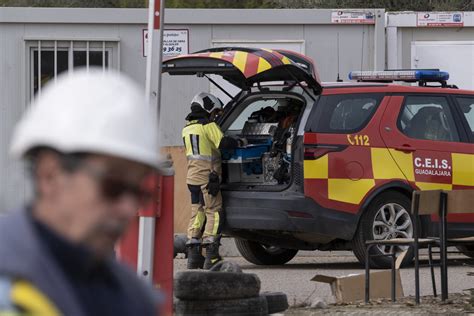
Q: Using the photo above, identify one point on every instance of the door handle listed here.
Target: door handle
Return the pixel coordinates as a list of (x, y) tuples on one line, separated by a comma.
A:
[(405, 148)]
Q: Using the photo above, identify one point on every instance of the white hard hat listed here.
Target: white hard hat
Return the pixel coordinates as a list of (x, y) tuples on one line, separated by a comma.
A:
[(91, 112), (207, 101)]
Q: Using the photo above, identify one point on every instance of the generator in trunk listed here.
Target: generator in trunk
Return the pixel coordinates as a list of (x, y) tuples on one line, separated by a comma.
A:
[(266, 159)]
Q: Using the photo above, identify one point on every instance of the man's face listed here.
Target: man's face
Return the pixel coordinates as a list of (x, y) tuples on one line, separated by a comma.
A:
[(97, 200)]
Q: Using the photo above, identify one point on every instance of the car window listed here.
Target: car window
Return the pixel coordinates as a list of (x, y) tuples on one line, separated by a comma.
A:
[(343, 113), (429, 118), (467, 109)]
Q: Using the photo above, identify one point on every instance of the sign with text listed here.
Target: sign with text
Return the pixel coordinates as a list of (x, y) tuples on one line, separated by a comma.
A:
[(440, 19), (175, 42), (352, 17)]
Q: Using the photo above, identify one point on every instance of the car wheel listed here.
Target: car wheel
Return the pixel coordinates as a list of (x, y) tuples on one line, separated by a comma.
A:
[(387, 217), (254, 306), (260, 254), (468, 250), (210, 285), (276, 301)]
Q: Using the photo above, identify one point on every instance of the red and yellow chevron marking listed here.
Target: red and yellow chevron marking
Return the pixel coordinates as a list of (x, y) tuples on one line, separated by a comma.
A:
[(342, 180), (249, 64)]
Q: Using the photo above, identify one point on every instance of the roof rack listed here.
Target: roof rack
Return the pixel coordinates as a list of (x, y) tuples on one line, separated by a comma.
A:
[(422, 76)]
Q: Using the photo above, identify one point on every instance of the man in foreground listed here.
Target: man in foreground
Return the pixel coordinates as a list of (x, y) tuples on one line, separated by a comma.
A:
[(89, 140)]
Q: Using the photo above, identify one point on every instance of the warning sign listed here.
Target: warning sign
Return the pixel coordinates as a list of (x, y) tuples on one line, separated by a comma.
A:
[(352, 17), (440, 19), (175, 42)]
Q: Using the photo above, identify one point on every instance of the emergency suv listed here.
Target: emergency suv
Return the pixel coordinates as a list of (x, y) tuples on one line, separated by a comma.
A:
[(329, 166)]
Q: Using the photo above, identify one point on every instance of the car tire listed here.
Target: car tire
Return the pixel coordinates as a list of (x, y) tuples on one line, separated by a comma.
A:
[(253, 306), (276, 301), (467, 250), (385, 203), (210, 285), (259, 254)]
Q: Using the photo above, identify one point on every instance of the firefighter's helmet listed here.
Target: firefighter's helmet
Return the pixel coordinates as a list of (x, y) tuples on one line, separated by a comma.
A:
[(206, 101), (91, 112)]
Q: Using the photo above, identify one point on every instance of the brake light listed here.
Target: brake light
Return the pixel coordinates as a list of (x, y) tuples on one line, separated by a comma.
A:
[(315, 152)]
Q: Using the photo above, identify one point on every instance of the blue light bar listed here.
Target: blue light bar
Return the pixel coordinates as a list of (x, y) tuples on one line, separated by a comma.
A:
[(400, 75)]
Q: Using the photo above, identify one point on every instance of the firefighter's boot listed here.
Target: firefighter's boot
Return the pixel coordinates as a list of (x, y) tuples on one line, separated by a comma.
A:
[(212, 255), (195, 258)]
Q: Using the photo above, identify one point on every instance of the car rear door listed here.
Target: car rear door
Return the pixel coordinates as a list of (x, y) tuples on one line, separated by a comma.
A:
[(243, 67), (425, 138)]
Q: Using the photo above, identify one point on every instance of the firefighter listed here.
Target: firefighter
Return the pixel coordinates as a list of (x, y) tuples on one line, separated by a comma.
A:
[(89, 141), (203, 140)]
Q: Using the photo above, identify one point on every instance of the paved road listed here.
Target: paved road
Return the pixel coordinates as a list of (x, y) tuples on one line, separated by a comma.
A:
[(294, 277)]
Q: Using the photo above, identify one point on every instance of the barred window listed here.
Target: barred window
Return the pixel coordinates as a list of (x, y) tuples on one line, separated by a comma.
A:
[(49, 58)]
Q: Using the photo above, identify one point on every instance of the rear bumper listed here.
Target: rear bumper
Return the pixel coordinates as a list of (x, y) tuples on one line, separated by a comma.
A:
[(285, 212)]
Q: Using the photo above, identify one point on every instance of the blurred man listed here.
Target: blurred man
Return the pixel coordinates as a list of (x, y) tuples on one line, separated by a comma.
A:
[(90, 140)]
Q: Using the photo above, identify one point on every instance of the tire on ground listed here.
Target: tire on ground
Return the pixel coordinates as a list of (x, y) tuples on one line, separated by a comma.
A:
[(365, 230), (276, 301), (467, 250), (256, 253), (254, 306), (210, 285), (179, 244), (226, 266)]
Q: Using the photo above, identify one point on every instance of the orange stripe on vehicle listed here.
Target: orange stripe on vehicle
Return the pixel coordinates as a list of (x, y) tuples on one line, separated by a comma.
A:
[(228, 56), (252, 66), (240, 59)]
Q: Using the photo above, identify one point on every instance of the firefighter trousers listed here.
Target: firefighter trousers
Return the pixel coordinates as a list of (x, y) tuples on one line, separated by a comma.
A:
[(206, 214)]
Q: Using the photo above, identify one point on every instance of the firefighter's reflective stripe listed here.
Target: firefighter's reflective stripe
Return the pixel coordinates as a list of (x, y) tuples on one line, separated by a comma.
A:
[(194, 144), (27, 296), (20, 297), (202, 140), (217, 222), (201, 157)]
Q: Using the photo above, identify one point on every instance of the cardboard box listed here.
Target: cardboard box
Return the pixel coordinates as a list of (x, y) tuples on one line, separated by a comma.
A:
[(351, 288)]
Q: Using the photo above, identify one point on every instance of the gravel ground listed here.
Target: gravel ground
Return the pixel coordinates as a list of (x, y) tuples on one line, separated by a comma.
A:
[(458, 304), (294, 280)]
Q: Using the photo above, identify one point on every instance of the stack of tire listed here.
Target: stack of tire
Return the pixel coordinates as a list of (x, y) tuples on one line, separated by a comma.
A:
[(224, 291)]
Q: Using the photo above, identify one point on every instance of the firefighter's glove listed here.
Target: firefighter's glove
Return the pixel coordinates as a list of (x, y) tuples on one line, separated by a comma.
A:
[(213, 186)]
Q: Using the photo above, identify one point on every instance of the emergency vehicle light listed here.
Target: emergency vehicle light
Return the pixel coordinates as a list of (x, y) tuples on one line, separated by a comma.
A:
[(432, 75)]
